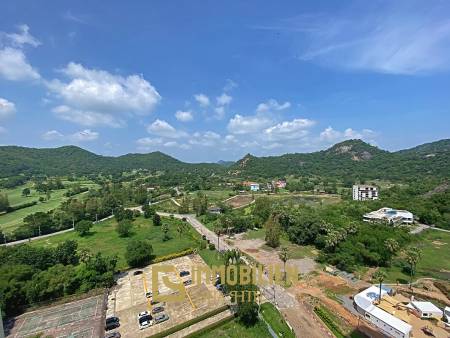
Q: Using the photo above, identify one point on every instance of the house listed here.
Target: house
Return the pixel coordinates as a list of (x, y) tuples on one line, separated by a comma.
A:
[(215, 210), (365, 192), (281, 184), (388, 324), (392, 216), (426, 310), (254, 187)]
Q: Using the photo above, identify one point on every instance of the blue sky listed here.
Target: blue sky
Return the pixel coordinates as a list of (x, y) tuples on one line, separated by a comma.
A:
[(211, 80)]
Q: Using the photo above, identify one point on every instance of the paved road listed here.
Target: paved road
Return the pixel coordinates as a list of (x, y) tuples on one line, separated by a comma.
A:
[(421, 227), (36, 238), (277, 295)]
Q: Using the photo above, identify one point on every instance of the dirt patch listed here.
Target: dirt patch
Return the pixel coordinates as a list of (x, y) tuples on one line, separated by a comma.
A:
[(239, 201), (252, 250), (438, 243)]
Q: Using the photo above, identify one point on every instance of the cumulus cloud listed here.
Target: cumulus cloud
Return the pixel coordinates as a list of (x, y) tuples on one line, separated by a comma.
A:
[(100, 91), (164, 129), (206, 139), (85, 135), (294, 129), (184, 116), (247, 124), (151, 144), (331, 135), (14, 65), (272, 105), (202, 100), (224, 99), (23, 37), (87, 118), (7, 108)]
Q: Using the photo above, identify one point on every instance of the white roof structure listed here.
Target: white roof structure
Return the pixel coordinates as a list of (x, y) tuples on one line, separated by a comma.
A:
[(427, 307), (365, 301), (389, 214)]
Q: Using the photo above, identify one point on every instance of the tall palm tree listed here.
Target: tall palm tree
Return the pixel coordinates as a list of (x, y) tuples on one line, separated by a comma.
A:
[(284, 257), (392, 245), (379, 277), (413, 256)]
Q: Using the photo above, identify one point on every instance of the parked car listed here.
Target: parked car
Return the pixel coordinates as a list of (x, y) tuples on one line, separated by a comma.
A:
[(161, 318), (153, 302), (138, 272), (113, 335), (158, 309), (149, 294), (111, 323), (187, 282), (143, 314), (145, 321), (184, 273)]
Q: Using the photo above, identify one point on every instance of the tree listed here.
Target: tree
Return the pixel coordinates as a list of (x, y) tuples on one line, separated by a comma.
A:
[(156, 220), (4, 202), (200, 203), (248, 313), (262, 209), (83, 227), (66, 253), (273, 231), (391, 245), (284, 257), (217, 230), (412, 257), (165, 230), (148, 211), (379, 276), (138, 253), (184, 205), (124, 227), (26, 192)]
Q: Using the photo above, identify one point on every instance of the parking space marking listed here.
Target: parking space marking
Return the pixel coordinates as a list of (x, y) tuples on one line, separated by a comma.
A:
[(149, 303), (187, 293)]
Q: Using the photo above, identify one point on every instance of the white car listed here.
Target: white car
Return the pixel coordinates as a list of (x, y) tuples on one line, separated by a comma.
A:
[(143, 314), (145, 321)]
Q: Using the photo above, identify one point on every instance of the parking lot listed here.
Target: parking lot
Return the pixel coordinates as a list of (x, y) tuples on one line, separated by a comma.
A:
[(128, 298), (80, 319)]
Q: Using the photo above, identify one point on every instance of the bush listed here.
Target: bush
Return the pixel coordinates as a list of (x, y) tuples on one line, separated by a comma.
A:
[(21, 206), (211, 246), (156, 220), (83, 227), (138, 253), (174, 255), (124, 227)]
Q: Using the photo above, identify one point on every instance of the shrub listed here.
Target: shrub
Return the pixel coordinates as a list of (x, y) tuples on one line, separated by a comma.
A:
[(211, 246), (83, 227), (124, 227), (138, 253)]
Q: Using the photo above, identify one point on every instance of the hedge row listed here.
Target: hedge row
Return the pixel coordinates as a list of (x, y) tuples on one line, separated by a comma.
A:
[(193, 321), (329, 322), (20, 206), (174, 255), (210, 327)]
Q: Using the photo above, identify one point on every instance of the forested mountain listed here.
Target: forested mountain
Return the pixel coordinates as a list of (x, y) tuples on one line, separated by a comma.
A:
[(353, 159), (349, 159), (74, 160)]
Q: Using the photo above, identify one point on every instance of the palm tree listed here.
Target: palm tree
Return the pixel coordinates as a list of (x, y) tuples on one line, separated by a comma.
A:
[(217, 230), (284, 257), (379, 277), (413, 256), (392, 245)]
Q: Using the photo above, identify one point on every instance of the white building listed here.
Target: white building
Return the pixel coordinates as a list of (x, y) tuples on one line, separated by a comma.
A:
[(392, 216), (254, 187), (427, 310), (388, 324), (365, 192)]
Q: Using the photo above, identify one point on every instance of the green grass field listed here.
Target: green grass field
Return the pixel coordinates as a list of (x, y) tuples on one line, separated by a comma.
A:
[(215, 196), (104, 238), (10, 221), (275, 320), (167, 206), (435, 246), (233, 329)]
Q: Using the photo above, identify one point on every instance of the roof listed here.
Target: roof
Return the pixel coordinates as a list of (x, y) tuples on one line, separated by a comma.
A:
[(426, 307), (365, 300), (389, 213)]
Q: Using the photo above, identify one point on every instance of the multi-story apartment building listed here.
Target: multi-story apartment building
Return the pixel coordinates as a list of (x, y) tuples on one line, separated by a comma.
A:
[(365, 192)]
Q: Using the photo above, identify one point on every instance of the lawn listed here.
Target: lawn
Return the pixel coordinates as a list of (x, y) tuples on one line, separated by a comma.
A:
[(211, 257), (275, 320), (10, 221), (167, 206), (215, 196), (233, 329), (104, 238), (435, 246)]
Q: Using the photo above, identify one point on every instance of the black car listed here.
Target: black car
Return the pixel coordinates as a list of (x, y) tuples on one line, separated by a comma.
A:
[(111, 323), (184, 273), (138, 272), (187, 282)]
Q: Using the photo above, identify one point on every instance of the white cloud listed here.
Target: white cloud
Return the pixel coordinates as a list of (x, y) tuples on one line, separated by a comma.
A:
[(87, 118), (86, 135), (394, 38), (14, 65), (272, 105), (206, 139), (219, 112), (331, 135), (100, 91), (23, 37), (151, 144), (294, 129), (224, 99), (229, 85), (247, 124), (202, 100), (164, 129), (184, 116), (52, 135), (7, 108)]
